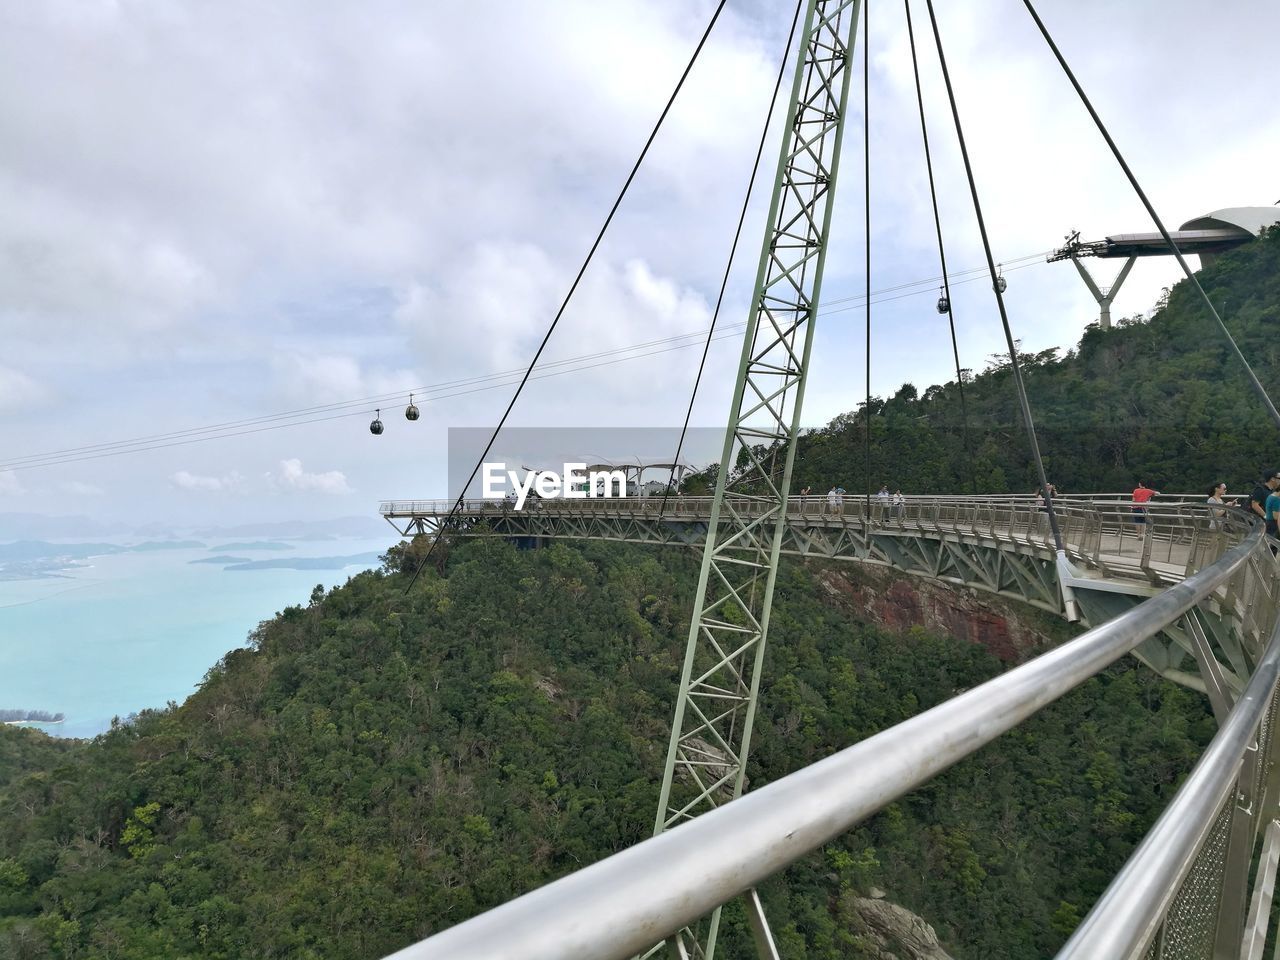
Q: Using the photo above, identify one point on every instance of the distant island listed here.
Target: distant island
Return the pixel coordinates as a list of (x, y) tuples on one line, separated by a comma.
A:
[(308, 563), (38, 559), (42, 550), (30, 716), (221, 558), (362, 526), (256, 545)]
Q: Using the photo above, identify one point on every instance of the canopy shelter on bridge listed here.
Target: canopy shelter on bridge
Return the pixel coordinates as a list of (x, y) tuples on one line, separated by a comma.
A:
[(1206, 236)]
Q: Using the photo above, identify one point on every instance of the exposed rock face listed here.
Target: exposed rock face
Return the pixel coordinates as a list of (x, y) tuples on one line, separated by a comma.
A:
[(898, 602), (896, 932)]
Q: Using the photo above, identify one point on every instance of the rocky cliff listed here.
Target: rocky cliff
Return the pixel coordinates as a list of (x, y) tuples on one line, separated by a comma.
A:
[(894, 931), (898, 602)]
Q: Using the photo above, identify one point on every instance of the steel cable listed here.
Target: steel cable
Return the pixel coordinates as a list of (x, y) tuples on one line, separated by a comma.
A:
[(572, 288), (1019, 386), (733, 249), (942, 252), (1155, 218)]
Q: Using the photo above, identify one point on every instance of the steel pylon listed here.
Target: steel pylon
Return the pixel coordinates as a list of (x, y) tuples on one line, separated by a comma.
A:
[(720, 682)]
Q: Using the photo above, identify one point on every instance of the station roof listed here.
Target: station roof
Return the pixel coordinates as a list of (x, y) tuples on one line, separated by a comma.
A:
[(1252, 219), (1208, 234)]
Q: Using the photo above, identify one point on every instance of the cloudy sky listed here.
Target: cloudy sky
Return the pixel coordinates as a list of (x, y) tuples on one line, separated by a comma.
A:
[(215, 213)]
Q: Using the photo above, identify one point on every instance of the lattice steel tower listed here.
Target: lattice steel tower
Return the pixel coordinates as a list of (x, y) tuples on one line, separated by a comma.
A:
[(720, 683)]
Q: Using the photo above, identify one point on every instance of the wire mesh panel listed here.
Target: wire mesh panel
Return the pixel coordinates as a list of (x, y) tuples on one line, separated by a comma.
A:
[(1265, 731), (1192, 921)]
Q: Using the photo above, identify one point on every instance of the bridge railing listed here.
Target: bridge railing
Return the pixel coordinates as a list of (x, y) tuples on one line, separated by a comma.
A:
[(1181, 893), (623, 904)]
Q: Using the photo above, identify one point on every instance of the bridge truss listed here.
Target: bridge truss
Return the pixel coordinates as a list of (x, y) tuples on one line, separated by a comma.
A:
[(720, 682)]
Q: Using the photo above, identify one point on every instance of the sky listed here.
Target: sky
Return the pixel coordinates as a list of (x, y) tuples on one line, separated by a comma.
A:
[(221, 212)]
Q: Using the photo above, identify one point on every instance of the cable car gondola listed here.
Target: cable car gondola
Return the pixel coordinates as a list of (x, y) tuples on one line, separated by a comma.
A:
[(376, 427), (411, 412), (1001, 283), (944, 305)]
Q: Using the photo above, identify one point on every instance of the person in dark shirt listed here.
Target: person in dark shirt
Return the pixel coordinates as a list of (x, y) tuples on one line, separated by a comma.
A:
[(1258, 499), (1272, 508)]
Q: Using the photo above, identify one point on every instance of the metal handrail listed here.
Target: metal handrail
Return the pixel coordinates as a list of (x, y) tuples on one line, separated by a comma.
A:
[(852, 501), (1127, 915), (627, 902)]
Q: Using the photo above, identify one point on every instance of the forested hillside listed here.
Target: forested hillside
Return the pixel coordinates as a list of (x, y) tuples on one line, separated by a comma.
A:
[(375, 767), (1162, 400)]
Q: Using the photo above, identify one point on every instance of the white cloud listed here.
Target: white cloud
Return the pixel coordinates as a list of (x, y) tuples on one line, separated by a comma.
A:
[(9, 485), (491, 311), (193, 481), (78, 488), (19, 391), (309, 378), (293, 477)]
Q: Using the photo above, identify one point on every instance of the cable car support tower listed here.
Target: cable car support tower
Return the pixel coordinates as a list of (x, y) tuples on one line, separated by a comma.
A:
[(720, 682)]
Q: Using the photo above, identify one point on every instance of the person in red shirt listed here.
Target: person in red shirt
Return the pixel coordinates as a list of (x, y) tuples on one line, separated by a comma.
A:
[(1141, 495)]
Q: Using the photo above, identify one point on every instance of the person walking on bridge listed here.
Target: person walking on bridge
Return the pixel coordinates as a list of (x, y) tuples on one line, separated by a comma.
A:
[(1042, 505), (1142, 495), (1217, 493), (1258, 499), (1272, 510)]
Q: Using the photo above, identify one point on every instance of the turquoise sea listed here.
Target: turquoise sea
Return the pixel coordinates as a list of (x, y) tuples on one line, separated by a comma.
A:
[(120, 633)]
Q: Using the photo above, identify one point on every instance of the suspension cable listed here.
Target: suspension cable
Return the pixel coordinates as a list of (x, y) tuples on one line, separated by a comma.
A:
[(1004, 316), (1151, 211), (942, 252), (733, 249), (568, 296), (866, 182)]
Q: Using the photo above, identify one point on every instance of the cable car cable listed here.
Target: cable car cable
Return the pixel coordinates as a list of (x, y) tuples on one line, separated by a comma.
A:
[(55, 461), (343, 409), (465, 381)]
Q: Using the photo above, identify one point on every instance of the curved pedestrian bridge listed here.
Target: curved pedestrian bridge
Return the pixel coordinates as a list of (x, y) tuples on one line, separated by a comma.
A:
[(998, 544), (1191, 591)]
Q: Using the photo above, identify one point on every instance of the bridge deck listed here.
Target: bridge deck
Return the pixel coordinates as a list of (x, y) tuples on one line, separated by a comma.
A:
[(1100, 536)]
